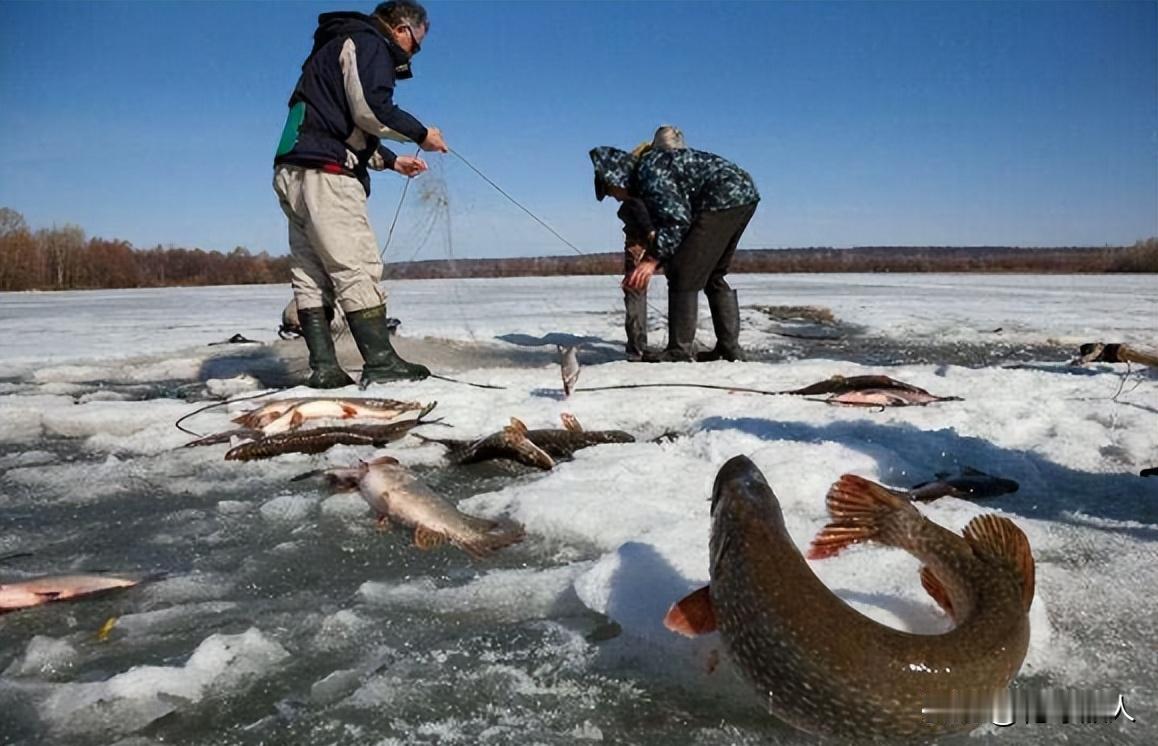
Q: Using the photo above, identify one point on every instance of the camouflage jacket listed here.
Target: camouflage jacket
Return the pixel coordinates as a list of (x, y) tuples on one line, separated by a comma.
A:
[(677, 185)]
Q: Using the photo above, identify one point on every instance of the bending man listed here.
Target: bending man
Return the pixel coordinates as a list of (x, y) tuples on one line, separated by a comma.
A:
[(340, 110)]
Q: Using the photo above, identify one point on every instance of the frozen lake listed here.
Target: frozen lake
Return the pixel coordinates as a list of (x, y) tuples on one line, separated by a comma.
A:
[(284, 616)]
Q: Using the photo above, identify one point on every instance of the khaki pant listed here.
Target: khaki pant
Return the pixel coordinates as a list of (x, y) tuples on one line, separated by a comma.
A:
[(335, 254)]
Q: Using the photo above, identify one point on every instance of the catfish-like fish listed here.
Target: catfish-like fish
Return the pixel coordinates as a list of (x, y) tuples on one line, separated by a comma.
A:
[(824, 667), (288, 414), (843, 384), (970, 484), (397, 496), (319, 439), (36, 591), (517, 443)]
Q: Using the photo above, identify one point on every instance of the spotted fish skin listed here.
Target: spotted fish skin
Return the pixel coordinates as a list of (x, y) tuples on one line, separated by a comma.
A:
[(319, 439), (827, 669), (557, 443), (844, 384)]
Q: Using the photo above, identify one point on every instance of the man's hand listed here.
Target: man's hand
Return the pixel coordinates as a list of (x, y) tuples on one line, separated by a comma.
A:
[(409, 165), (641, 275), (434, 141)]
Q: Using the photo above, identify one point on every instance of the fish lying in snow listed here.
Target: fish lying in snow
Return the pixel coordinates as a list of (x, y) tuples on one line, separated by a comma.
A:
[(843, 384), (36, 591), (969, 484), (397, 496), (284, 415), (824, 667), (885, 398), (288, 414), (538, 448), (319, 439), (569, 368)]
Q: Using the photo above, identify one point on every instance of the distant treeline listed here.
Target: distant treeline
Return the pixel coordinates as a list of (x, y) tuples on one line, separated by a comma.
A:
[(1141, 257), (64, 259)]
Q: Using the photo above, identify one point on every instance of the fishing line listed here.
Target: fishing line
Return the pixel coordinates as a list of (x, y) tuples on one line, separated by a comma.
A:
[(743, 389), (467, 383), (536, 218)]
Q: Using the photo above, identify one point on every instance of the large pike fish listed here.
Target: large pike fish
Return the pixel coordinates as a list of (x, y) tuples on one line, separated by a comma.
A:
[(284, 415), (319, 439), (886, 398), (36, 591), (822, 666), (537, 448), (397, 496)]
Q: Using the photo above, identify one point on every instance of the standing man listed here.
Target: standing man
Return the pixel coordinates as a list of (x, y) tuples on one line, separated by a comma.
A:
[(340, 110), (700, 204)]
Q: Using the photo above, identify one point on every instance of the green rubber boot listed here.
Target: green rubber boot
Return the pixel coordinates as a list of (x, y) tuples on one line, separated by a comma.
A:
[(382, 364), (325, 372)]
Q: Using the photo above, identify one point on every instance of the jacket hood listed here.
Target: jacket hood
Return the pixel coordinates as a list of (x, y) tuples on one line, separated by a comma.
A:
[(335, 25), (613, 167)]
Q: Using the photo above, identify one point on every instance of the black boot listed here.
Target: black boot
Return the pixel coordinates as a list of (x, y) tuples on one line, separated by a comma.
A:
[(325, 372), (726, 321), (681, 329), (382, 363)]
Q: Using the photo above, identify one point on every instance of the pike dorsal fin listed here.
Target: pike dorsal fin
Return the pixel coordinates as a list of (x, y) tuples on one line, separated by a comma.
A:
[(570, 422), (693, 614), (935, 588), (517, 425), (969, 471), (994, 536)]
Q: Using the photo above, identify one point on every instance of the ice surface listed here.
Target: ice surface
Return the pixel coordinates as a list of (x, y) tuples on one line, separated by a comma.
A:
[(557, 639), (130, 700)]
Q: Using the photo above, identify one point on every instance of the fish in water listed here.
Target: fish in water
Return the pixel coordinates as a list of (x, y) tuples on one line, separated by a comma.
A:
[(538, 448), (1151, 472), (969, 484), (398, 497), (824, 667), (319, 439), (843, 384), (886, 398), (569, 367), (36, 591)]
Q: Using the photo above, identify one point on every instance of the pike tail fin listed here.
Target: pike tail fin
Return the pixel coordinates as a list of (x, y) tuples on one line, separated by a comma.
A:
[(861, 511), (693, 614)]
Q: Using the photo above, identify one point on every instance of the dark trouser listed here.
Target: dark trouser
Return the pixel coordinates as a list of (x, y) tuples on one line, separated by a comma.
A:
[(701, 263), (705, 255), (635, 319)]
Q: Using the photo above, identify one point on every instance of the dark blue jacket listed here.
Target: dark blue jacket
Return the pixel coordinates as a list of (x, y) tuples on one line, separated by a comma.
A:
[(343, 103), (679, 185)]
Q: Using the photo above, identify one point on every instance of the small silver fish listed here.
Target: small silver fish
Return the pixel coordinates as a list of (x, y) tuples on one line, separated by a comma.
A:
[(569, 366)]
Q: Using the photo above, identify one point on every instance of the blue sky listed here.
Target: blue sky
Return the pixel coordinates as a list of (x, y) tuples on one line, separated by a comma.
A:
[(1032, 124)]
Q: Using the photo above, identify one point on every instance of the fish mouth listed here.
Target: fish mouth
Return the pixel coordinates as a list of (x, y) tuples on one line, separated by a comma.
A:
[(740, 479)]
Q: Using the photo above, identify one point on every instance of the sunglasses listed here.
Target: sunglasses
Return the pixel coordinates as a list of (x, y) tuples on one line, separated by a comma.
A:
[(415, 46)]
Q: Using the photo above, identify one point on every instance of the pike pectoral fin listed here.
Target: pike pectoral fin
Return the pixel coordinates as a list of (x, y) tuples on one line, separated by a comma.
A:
[(993, 536), (693, 614), (935, 588), (349, 411), (425, 538), (860, 510)]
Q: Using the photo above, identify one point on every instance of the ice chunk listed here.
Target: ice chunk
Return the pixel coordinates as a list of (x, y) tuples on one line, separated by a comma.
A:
[(287, 508), (508, 595), (45, 657), (130, 700)]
